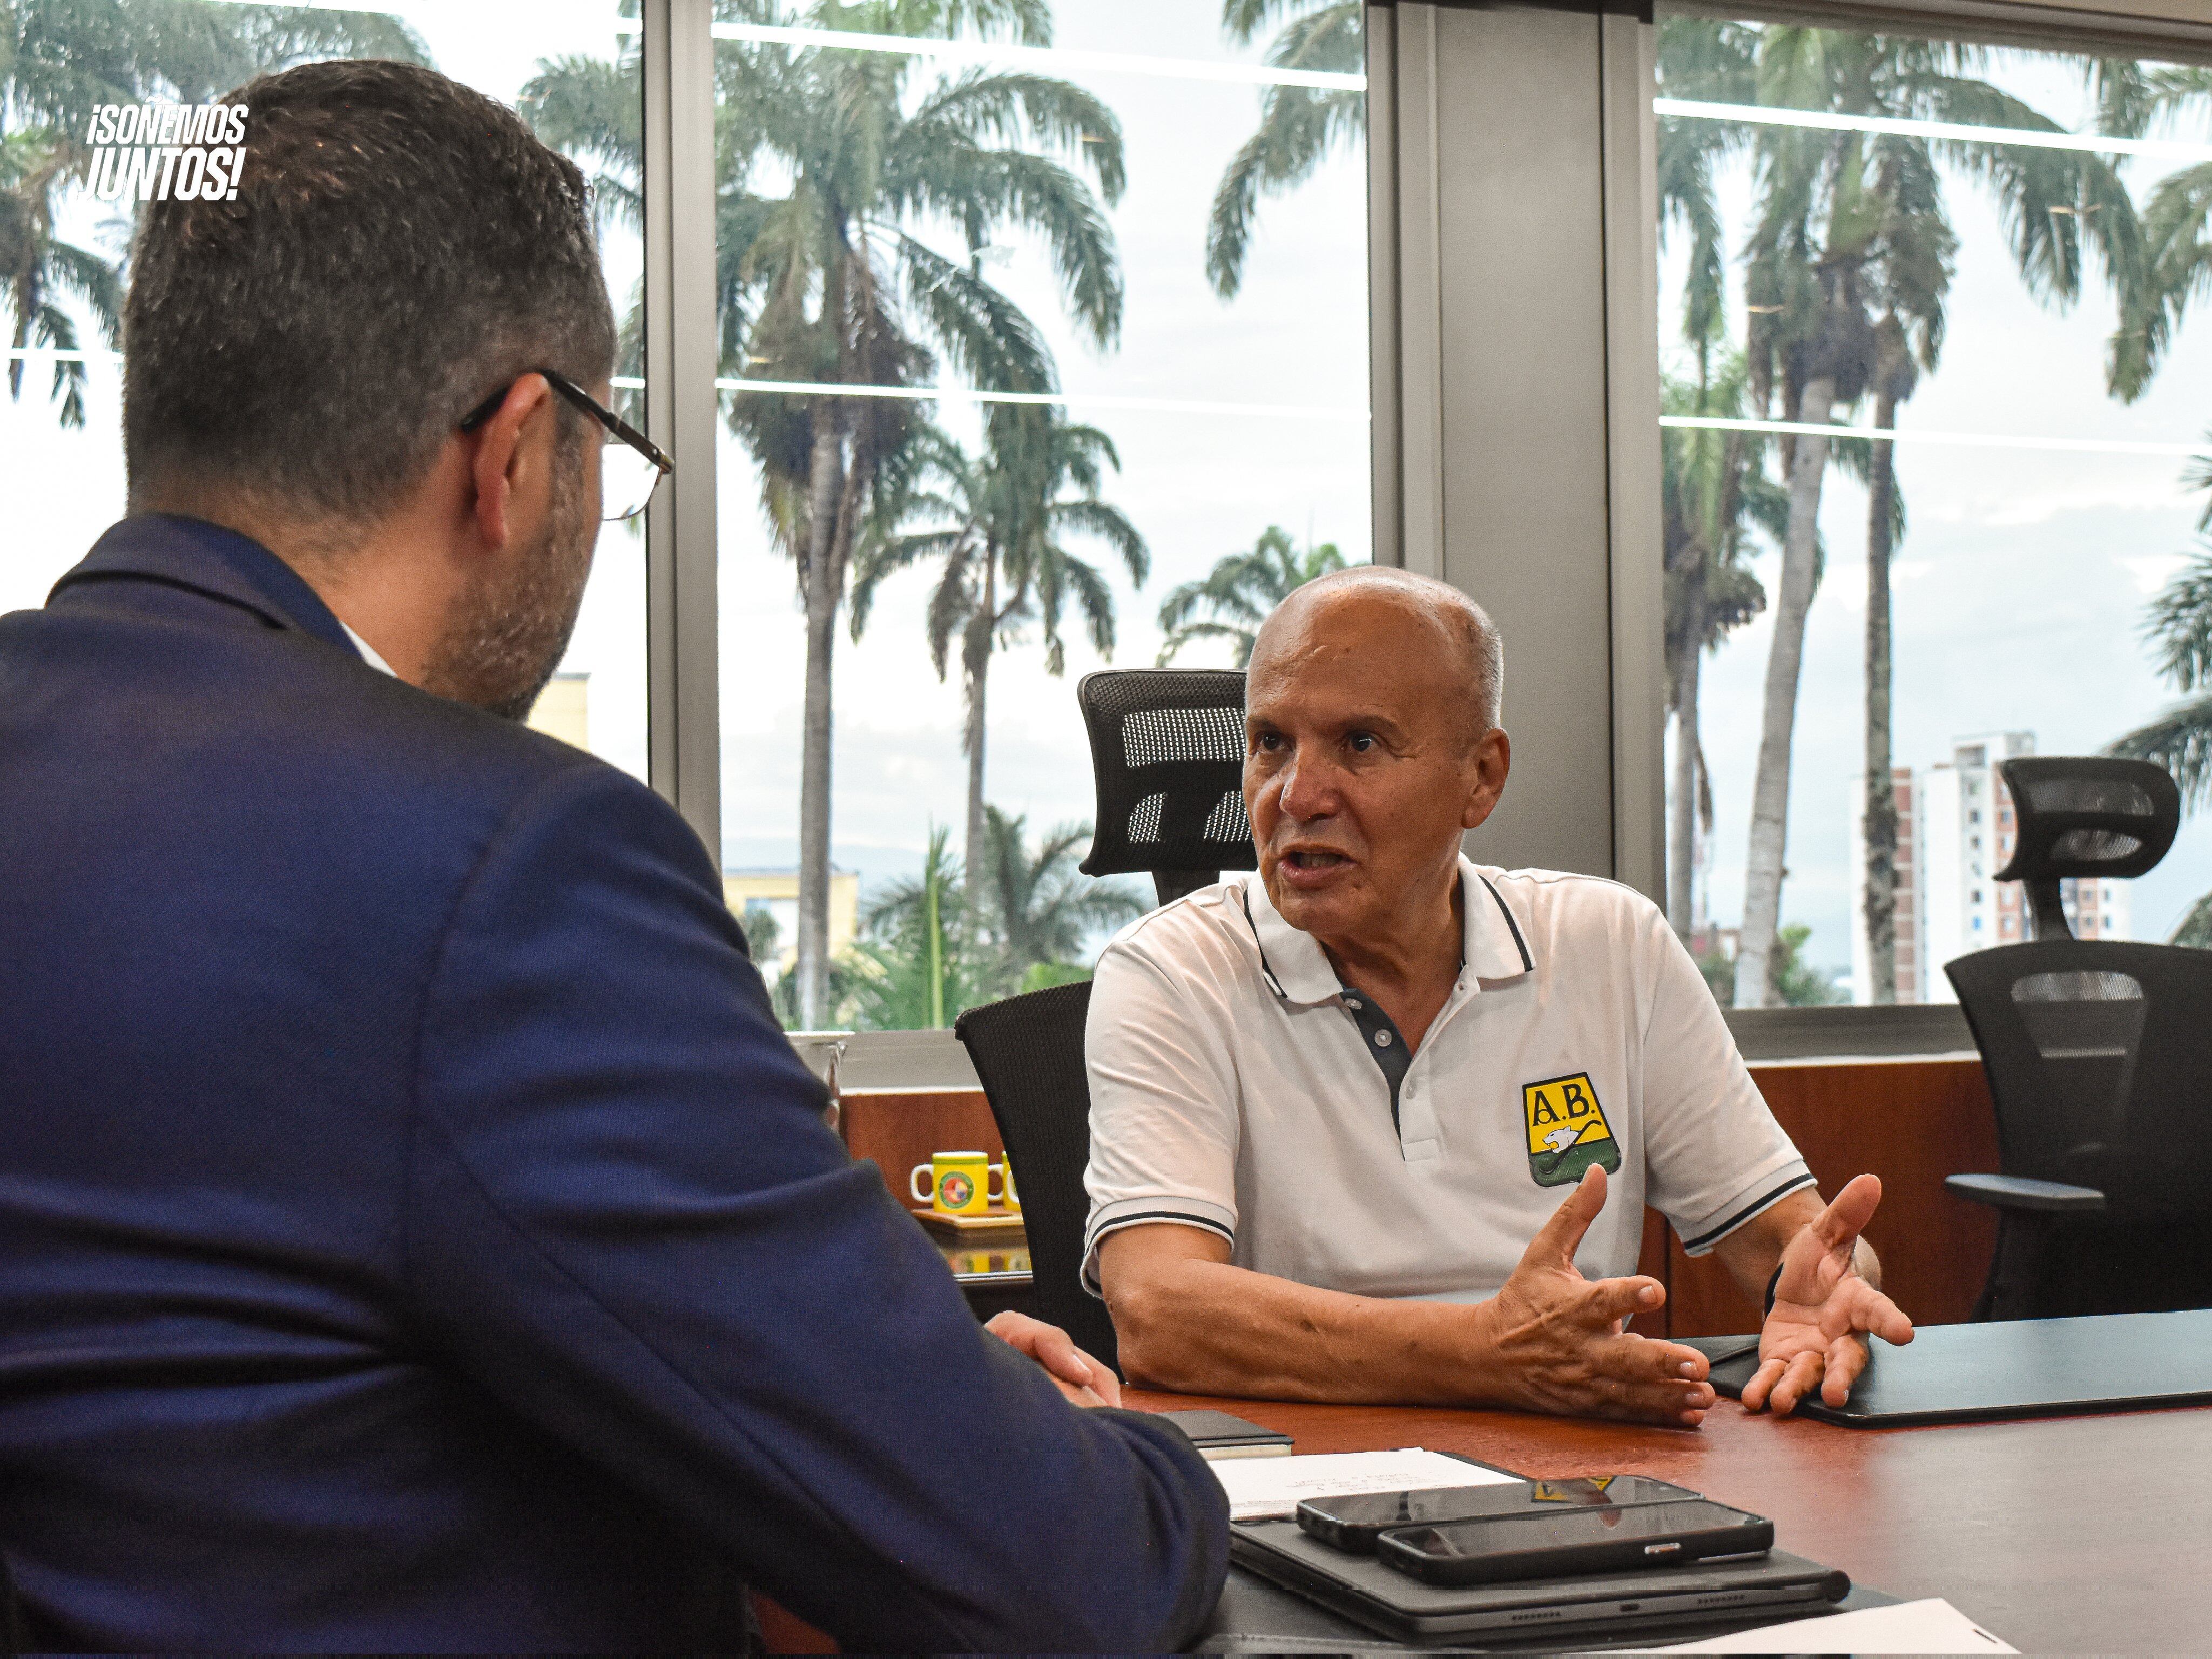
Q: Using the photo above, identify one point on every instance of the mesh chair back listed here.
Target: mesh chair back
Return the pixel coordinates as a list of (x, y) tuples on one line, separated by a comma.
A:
[(2094, 1050), (1027, 1050), (2084, 817), (1167, 746)]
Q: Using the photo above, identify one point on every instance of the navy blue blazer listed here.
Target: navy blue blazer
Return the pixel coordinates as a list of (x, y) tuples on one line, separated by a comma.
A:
[(415, 1232)]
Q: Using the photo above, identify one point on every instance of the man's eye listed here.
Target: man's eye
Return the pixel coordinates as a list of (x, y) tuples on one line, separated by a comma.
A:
[(1267, 743), (1362, 742)]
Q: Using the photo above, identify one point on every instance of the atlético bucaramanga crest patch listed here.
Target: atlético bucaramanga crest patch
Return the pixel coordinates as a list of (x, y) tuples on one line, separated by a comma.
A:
[(1567, 1130)]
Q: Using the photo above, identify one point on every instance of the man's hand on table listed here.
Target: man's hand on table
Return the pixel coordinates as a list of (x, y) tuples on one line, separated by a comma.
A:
[(1075, 1373), (1558, 1340), (1823, 1307)]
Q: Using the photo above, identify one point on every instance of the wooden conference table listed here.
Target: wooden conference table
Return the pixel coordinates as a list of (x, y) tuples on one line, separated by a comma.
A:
[(2076, 1533)]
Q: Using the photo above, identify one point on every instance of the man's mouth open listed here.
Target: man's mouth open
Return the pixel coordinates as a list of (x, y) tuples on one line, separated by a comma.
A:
[(1307, 866)]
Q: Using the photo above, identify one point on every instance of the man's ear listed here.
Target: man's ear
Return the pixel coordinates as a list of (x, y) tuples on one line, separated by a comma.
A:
[(1493, 759), (512, 469)]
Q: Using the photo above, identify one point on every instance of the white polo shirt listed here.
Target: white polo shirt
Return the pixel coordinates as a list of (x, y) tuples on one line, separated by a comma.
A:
[(1236, 1085)]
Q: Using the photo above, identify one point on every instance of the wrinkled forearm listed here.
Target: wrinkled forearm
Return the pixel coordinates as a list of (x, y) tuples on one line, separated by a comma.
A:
[(1200, 1326)]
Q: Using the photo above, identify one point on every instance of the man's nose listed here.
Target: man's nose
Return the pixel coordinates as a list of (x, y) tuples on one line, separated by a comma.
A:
[(1309, 790)]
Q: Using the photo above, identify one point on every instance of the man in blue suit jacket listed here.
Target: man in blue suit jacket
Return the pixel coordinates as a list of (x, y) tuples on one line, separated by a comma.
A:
[(415, 1231)]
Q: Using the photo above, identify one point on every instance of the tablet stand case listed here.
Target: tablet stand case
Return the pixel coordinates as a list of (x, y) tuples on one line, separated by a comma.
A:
[(1610, 1604)]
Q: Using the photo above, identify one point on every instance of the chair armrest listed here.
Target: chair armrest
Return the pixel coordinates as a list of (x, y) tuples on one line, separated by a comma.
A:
[(2019, 1192)]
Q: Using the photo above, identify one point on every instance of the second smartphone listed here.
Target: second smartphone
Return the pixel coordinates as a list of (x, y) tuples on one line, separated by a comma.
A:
[(1352, 1524), (1500, 1548)]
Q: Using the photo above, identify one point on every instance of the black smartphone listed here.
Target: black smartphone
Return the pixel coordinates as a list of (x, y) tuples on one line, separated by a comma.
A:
[(1497, 1548), (1352, 1524)]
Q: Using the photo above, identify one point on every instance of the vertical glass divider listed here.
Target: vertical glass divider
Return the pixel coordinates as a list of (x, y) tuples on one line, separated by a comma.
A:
[(1413, 309), (1384, 392), (1627, 64), (682, 357)]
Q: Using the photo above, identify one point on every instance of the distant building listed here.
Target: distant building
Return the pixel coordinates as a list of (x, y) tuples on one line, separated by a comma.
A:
[(563, 710), (1955, 829), (777, 892)]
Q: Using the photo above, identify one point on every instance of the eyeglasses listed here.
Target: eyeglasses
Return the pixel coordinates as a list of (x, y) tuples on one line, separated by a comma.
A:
[(632, 465)]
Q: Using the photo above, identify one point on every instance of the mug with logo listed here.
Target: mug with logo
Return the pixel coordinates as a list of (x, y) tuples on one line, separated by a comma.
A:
[(954, 1183)]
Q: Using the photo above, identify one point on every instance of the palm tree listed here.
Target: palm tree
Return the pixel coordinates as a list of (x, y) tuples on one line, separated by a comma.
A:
[(2177, 224), (1714, 490), (1001, 524), (1849, 234), (827, 164), (61, 59), (1299, 126), (1910, 287), (914, 971), (38, 270), (1238, 594), (2179, 629), (1040, 910)]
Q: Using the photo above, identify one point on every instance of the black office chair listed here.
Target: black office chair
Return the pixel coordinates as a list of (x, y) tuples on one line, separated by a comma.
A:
[(2092, 1048), (1027, 1050), (2084, 818), (1167, 747)]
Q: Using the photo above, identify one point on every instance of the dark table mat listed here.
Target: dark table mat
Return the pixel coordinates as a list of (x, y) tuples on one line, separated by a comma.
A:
[(2021, 1368)]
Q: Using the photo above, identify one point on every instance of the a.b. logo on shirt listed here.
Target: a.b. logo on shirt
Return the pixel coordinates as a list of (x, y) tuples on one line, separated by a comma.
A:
[(1567, 1130)]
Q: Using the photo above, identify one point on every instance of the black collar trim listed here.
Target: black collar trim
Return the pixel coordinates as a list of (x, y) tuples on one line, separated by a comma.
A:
[(1527, 962)]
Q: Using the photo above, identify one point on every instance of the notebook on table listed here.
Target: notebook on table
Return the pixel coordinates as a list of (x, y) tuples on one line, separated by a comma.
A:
[(2019, 1368), (1219, 1435), (1614, 1604)]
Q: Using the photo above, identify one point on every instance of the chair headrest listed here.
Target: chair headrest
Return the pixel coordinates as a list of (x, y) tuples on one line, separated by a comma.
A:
[(2088, 816), (1167, 748)]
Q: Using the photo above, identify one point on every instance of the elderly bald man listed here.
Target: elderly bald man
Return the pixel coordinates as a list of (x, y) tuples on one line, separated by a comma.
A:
[(1336, 1104)]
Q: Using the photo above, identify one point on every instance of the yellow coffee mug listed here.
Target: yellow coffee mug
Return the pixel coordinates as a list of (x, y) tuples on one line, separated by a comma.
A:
[(1009, 1198), (953, 1183)]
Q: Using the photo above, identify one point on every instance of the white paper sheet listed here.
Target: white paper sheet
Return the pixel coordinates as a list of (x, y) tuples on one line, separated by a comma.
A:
[(1931, 1627), (1264, 1488)]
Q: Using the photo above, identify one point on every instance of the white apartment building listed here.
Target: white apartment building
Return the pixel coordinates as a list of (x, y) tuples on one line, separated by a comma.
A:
[(1955, 829)]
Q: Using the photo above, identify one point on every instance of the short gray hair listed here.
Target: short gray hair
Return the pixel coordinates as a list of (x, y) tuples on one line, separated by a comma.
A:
[(1467, 623), (399, 248)]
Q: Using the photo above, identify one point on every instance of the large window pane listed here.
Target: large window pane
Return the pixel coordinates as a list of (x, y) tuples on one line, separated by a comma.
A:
[(565, 65), (2000, 255), (1027, 215)]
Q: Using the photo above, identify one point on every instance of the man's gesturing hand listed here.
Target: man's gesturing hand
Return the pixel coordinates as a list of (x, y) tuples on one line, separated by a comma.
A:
[(1559, 1340), (1821, 1305)]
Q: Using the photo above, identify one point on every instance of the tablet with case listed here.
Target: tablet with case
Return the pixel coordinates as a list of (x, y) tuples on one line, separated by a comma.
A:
[(1385, 1600)]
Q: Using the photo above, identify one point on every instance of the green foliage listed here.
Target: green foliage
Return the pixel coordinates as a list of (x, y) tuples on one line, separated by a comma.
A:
[(1044, 976), (1001, 524), (1799, 984), (915, 970), (931, 946), (2180, 738), (1718, 971), (1036, 909), (763, 934), (1300, 127), (1231, 600), (2179, 631), (2196, 928), (61, 59)]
